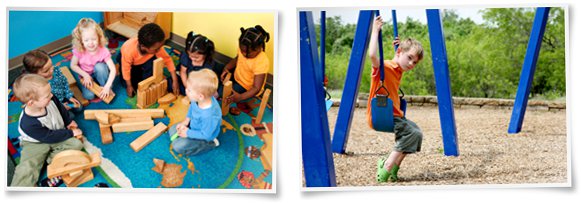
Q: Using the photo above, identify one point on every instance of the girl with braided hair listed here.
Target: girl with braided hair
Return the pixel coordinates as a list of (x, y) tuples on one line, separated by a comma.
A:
[(198, 54), (250, 65)]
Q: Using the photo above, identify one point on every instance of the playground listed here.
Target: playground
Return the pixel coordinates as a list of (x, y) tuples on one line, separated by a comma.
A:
[(488, 154), (508, 139)]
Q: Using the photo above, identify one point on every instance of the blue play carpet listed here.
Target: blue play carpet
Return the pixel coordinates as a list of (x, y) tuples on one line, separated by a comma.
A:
[(229, 166)]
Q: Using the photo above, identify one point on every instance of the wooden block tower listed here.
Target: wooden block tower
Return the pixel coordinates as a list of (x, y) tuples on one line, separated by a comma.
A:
[(152, 88)]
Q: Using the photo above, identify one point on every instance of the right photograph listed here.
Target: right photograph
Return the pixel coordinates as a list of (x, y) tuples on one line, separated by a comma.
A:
[(429, 97)]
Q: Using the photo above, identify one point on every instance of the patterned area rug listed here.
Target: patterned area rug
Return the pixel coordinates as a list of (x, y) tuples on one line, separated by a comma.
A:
[(242, 160)]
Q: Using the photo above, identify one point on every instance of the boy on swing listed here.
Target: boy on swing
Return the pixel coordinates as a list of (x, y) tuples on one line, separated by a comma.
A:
[(408, 136)]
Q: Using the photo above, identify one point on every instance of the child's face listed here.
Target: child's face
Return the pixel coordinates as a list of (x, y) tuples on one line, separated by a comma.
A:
[(192, 94), (90, 40), (43, 99), (47, 70), (250, 53), (197, 58), (151, 50), (407, 60)]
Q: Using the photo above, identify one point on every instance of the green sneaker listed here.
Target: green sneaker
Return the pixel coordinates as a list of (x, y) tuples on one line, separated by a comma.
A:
[(382, 174), (393, 173)]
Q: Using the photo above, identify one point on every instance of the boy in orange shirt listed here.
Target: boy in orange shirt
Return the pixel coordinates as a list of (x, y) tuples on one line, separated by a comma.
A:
[(408, 136), (137, 56)]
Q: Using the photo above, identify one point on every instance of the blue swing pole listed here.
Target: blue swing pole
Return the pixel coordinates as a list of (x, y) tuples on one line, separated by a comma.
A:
[(322, 43), (394, 20), (319, 169), (443, 89), (352, 81), (528, 70)]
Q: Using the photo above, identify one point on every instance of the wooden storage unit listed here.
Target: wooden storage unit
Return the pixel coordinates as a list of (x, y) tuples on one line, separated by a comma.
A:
[(128, 23)]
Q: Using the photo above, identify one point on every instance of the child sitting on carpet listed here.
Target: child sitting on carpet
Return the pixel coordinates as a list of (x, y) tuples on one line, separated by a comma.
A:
[(199, 131), (45, 129), (38, 62), (198, 54), (251, 64), (137, 56), (91, 58)]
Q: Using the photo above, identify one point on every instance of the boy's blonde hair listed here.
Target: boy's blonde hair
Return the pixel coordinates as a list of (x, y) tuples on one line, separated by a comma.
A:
[(26, 87), (412, 45), (203, 81), (83, 24)]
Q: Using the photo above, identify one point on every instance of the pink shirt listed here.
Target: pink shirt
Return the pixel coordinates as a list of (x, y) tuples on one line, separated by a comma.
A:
[(87, 60)]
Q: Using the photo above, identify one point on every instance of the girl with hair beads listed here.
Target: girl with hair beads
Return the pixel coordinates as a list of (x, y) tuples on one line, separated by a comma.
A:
[(251, 64), (197, 55), (91, 58)]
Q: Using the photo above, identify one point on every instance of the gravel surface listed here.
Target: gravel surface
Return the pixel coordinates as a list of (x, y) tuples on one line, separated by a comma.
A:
[(488, 154)]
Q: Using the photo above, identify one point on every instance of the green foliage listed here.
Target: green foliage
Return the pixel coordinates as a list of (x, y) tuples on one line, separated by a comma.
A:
[(485, 60)]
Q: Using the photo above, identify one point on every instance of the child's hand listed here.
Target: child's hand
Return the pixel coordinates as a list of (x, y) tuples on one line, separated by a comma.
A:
[(175, 87), (183, 132), (395, 42), (75, 101), (105, 92), (223, 75), (234, 98), (130, 90), (73, 125), (77, 132), (87, 81), (377, 24), (66, 105)]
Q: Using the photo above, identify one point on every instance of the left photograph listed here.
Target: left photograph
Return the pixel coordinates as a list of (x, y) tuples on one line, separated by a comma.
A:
[(114, 99)]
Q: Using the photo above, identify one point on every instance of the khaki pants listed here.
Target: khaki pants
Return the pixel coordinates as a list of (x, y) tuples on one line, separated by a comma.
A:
[(32, 159)]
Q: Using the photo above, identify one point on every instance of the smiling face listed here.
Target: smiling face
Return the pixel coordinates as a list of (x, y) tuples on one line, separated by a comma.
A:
[(197, 58), (47, 70), (90, 39)]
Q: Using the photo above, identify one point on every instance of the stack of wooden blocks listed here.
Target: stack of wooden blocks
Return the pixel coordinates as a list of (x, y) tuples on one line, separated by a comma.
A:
[(152, 88), (73, 166), (128, 120)]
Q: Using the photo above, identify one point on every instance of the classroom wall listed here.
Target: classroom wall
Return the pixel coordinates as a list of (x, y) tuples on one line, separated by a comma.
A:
[(28, 30), (224, 28)]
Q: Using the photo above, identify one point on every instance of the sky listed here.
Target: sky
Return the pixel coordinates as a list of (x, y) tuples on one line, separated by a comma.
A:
[(349, 15)]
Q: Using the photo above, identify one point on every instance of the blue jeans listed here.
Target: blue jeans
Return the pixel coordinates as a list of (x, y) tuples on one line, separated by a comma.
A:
[(100, 74), (189, 147)]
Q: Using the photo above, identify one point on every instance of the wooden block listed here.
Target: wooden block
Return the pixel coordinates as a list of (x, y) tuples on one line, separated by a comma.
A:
[(263, 102), (132, 126), (70, 78), (102, 117), (140, 99), (113, 118), (96, 89), (158, 70), (148, 137), (227, 78), (106, 135), (137, 119), (225, 93), (145, 83), (69, 161), (85, 176), (79, 95), (159, 164), (266, 151), (75, 174), (167, 99), (127, 113)]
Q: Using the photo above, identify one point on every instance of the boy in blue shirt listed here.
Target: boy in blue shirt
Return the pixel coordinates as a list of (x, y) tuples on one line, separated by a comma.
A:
[(199, 131)]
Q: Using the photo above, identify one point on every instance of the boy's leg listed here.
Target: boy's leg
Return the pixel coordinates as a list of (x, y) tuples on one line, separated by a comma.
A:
[(101, 73), (32, 159), (71, 143), (189, 147)]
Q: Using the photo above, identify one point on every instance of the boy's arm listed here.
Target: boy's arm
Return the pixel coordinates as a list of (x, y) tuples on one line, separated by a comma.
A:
[(33, 128), (373, 43), (207, 128), (168, 61)]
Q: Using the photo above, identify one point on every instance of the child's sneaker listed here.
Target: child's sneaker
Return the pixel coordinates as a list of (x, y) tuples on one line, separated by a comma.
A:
[(216, 142), (382, 174), (54, 182), (393, 172)]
